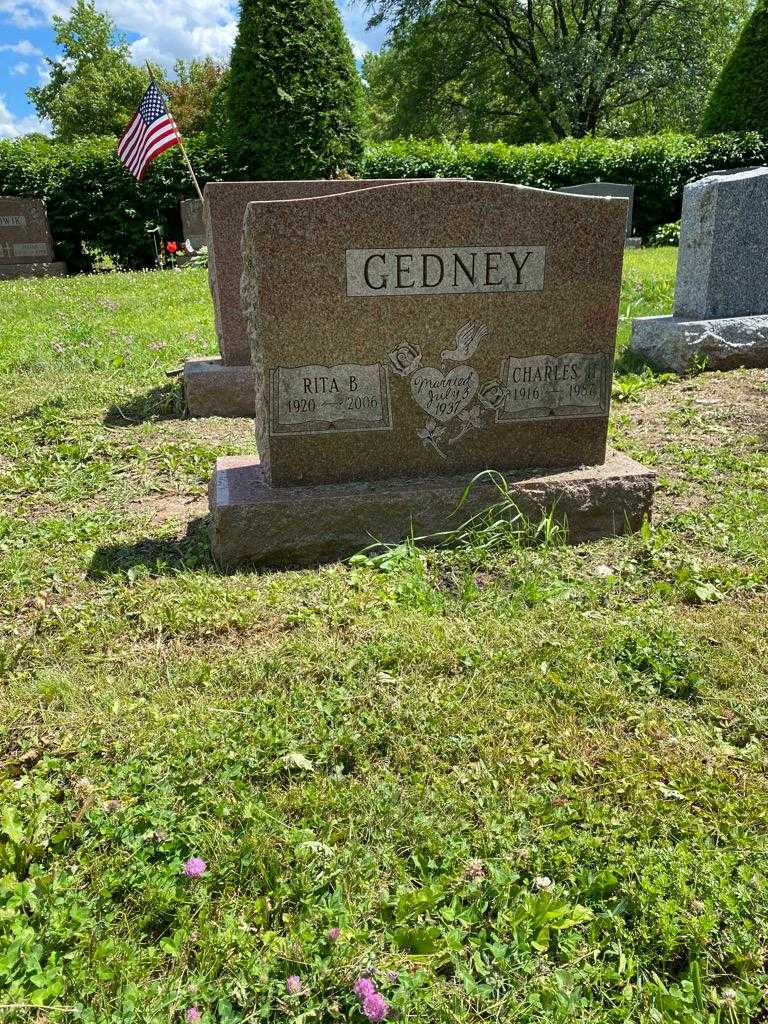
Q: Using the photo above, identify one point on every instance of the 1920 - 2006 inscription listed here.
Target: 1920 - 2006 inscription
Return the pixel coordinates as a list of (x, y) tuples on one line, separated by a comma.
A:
[(326, 399), (539, 387)]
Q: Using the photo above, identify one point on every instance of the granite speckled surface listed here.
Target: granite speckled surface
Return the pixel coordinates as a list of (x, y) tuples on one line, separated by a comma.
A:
[(213, 389), (669, 343), (606, 188), (223, 212), (721, 291), (254, 523), (722, 269), (508, 369)]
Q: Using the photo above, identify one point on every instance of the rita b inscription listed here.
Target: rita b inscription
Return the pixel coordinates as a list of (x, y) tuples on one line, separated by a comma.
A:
[(320, 399)]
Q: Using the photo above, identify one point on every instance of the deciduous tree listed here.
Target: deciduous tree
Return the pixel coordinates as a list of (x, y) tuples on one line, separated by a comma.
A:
[(582, 64), (93, 88)]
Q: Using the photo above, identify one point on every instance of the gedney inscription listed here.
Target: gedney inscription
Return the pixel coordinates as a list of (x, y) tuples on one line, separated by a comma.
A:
[(460, 271)]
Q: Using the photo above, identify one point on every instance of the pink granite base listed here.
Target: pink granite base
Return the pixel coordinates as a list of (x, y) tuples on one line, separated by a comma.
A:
[(213, 389), (252, 523)]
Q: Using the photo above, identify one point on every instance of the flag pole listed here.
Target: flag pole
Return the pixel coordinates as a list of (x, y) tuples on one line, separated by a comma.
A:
[(192, 174)]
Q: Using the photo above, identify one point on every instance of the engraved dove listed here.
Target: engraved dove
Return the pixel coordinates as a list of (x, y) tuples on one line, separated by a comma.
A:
[(468, 338)]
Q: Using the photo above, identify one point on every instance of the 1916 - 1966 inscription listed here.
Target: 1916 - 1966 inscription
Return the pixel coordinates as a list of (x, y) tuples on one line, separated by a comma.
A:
[(539, 387), (326, 399), (444, 271)]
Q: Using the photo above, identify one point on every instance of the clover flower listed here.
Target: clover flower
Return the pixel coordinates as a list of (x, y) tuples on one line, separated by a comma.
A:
[(375, 1007), (293, 985), (195, 867), (363, 988), (193, 1015), (334, 934)]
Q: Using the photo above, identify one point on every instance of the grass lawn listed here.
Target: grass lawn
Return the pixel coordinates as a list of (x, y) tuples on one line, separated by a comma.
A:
[(528, 781)]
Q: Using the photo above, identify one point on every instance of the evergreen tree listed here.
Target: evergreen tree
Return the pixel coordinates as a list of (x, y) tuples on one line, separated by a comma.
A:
[(739, 101), (295, 98)]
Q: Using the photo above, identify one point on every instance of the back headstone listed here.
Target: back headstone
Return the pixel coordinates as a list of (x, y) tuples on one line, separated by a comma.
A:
[(404, 338), (607, 188), (720, 317), (224, 386), (26, 246), (192, 222)]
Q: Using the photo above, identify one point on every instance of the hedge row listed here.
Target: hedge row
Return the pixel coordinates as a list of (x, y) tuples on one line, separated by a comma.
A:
[(659, 166), (94, 204)]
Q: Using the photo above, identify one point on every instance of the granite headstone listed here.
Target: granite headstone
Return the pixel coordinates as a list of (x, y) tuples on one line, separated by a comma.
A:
[(26, 246), (407, 336), (720, 317), (192, 222)]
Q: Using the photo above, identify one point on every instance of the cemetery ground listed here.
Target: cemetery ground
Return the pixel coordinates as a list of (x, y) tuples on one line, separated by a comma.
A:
[(526, 777)]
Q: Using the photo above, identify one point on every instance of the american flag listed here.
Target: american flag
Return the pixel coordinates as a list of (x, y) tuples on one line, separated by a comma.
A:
[(149, 134)]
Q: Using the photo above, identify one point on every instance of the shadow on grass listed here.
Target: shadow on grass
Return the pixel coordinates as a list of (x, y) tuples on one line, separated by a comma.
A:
[(163, 403), (154, 556)]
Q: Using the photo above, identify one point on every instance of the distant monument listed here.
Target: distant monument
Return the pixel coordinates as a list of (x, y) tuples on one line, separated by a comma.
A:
[(26, 246), (607, 188), (407, 336), (720, 316)]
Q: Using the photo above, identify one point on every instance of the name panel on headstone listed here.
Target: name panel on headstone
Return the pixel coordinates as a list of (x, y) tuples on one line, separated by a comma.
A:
[(450, 271), (325, 399), (574, 384), (431, 328)]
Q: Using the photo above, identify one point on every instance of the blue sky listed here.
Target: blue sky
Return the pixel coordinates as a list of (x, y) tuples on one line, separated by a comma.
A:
[(159, 29)]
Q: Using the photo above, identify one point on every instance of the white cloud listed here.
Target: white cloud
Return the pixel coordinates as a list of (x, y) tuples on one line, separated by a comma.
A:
[(24, 48), (169, 29), (32, 13), (21, 68), (12, 127), (359, 49)]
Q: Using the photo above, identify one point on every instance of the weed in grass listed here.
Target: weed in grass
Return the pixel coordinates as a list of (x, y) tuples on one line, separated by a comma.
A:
[(657, 663)]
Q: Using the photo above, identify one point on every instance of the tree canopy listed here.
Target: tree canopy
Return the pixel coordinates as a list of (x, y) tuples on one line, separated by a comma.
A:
[(567, 67), (93, 88)]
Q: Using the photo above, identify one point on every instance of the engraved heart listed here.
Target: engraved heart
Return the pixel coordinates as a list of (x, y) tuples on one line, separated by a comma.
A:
[(445, 395)]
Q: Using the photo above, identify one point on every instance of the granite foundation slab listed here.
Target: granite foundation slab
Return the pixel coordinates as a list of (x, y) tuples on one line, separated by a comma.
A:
[(675, 344), (252, 523), (10, 271), (213, 389)]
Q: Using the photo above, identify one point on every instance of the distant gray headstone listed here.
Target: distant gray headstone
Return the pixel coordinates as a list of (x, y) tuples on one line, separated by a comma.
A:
[(721, 295), (722, 269), (192, 222), (607, 188)]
